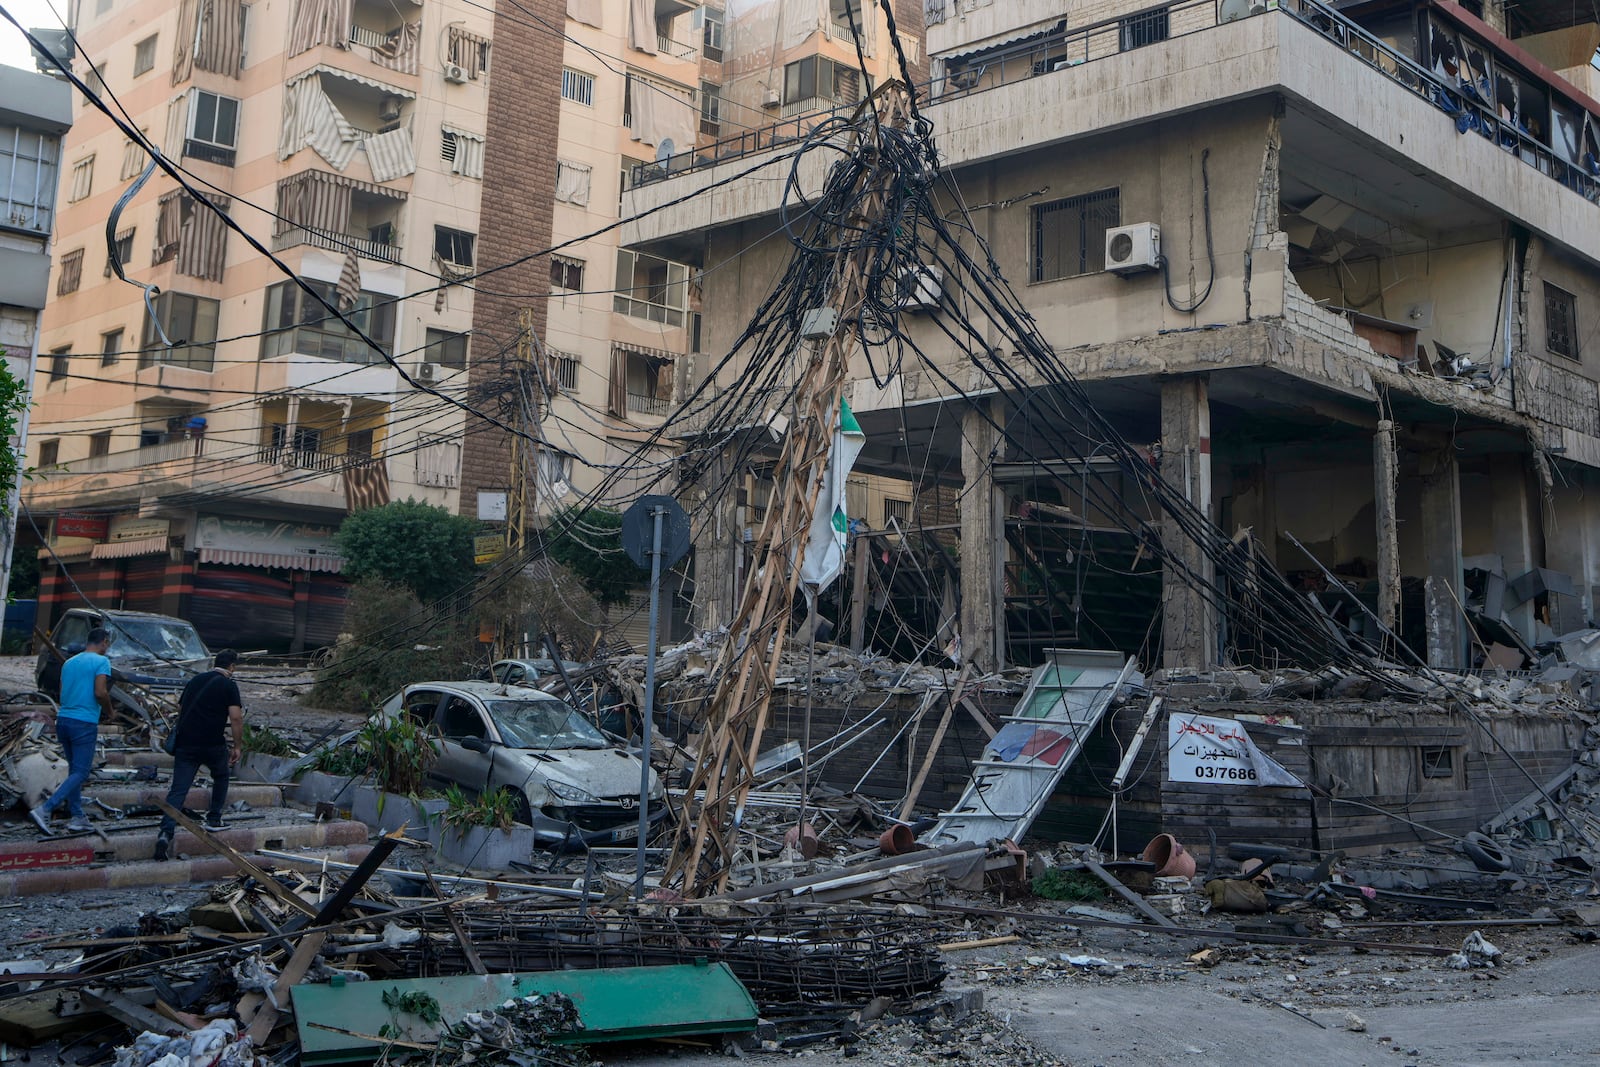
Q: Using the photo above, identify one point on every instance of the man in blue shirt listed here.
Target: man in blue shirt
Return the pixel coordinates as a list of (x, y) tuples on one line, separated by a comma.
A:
[(85, 692)]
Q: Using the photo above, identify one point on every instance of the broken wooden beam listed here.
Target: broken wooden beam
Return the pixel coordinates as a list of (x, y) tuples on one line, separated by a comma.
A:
[(1140, 905)]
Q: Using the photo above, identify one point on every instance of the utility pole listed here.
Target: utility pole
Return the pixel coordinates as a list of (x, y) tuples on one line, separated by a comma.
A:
[(531, 377), (704, 843)]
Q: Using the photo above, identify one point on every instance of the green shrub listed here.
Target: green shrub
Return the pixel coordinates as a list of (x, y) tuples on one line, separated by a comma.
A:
[(1057, 884)]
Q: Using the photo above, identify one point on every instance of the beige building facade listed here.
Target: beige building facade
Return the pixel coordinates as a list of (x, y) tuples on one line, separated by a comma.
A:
[(1368, 322)]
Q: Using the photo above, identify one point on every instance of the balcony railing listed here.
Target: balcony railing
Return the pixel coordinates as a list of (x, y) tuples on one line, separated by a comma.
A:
[(676, 49), (646, 404), (1111, 38), (370, 38), (382, 251), (305, 459), (130, 459)]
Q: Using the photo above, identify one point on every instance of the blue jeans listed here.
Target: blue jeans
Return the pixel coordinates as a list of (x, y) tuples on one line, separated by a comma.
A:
[(77, 739), (186, 763)]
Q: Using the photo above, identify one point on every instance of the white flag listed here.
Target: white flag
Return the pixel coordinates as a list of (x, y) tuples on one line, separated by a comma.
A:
[(830, 525)]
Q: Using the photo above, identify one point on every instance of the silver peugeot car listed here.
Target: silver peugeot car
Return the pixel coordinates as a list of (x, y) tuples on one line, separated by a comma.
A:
[(577, 788)]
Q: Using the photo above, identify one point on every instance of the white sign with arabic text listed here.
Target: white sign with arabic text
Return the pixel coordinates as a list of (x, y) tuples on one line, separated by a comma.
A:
[(1214, 751)]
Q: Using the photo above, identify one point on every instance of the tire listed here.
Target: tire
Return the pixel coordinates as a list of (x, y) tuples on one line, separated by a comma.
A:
[(1485, 854)]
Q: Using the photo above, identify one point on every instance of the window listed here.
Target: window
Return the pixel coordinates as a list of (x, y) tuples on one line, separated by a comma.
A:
[(123, 249), (651, 288), (49, 453), (566, 372), (28, 168), (819, 81), (710, 109), (82, 180), (1560, 322), (896, 511), (144, 55), (460, 719), (446, 349), (438, 460), (94, 79), (133, 158), (296, 323), (213, 127), (191, 325), (110, 347), (100, 444), (710, 22), (358, 444), (1069, 236), (572, 182), (60, 361), (566, 274), (1438, 762), (447, 145), (1136, 31), (641, 381), (71, 273), (467, 51), (577, 87), (453, 246)]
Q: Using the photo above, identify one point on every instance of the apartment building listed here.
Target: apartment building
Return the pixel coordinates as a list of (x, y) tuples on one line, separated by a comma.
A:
[(1338, 265), (34, 113), (198, 448)]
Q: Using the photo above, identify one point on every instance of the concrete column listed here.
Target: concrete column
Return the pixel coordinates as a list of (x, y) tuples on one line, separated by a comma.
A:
[(1572, 540), (983, 540), (1511, 527), (1385, 486), (1188, 620), (716, 544), (1441, 547)]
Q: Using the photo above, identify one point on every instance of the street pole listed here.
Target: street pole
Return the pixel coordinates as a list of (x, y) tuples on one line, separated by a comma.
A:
[(657, 517)]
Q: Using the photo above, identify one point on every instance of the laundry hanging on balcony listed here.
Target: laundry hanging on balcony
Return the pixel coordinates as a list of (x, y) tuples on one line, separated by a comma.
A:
[(210, 34), (311, 120), (642, 25), (584, 11), (390, 155), (657, 114)]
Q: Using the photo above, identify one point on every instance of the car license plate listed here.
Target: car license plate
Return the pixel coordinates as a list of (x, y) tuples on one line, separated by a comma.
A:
[(625, 833)]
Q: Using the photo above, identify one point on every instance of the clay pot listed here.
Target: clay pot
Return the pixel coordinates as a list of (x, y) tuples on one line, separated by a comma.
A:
[(897, 840), (1169, 857), (802, 838)]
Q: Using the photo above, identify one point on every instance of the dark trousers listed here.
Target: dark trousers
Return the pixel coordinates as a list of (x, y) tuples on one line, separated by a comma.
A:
[(186, 763)]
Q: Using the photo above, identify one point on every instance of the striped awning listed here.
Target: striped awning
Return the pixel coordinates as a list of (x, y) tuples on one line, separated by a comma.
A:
[(996, 44), (65, 552), (234, 557), (142, 546), (323, 68)]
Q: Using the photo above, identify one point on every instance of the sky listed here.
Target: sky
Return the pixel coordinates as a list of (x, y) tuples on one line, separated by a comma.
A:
[(14, 50)]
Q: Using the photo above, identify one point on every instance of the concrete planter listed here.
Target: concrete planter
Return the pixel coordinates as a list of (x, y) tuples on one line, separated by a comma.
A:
[(483, 848), (316, 787), (389, 811)]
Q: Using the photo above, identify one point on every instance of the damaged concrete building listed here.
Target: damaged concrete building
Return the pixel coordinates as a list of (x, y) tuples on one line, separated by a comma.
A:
[(1334, 268), (1338, 266)]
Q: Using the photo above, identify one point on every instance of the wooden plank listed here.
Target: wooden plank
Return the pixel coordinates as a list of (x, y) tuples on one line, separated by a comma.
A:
[(232, 855), (135, 1015), (1140, 905), (468, 949), (267, 1016)]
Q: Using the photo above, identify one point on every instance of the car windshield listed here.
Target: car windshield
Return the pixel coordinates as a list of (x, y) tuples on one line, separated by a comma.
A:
[(133, 640), (543, 724)]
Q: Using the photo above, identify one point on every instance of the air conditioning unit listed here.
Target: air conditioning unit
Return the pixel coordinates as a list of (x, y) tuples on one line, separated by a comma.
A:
[(427, 373), (389, 108), (771, 99), (1133, 249), (921, 288), (455, 73)]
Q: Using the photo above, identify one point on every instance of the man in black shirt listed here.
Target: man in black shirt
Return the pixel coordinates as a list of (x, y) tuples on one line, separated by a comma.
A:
[(210, 704)]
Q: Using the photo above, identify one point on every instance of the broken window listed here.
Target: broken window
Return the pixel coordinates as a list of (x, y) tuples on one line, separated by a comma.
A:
[(1069, 236), (566, 273), (1438, 761), (1560, 322)]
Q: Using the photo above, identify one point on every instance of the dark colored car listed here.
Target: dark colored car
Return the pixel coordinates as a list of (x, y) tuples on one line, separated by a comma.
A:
[(158, 652)]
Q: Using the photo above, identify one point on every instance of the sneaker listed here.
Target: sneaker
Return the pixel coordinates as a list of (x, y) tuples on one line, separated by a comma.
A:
[(214, 823), (40, 819), (163, 848), (79, 826)]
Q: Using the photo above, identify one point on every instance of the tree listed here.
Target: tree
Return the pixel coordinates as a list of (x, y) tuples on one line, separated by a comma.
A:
[(589, 544), (410, 544)]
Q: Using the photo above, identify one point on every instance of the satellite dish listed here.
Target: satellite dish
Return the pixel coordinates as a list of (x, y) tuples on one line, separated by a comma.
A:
[(664, 152)]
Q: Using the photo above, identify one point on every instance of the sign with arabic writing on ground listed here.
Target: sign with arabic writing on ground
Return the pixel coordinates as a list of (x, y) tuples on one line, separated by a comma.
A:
[(1214, 751)]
